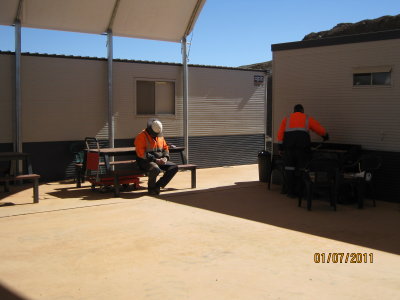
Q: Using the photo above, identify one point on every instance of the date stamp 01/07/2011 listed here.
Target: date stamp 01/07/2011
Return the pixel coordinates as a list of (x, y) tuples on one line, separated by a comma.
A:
[(341, 257)]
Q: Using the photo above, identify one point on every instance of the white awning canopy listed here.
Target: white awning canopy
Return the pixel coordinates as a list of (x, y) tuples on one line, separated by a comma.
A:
[(165, 20)]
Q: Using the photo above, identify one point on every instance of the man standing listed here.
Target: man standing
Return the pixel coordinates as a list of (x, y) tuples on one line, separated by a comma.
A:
[(294, 144), (153, 156)]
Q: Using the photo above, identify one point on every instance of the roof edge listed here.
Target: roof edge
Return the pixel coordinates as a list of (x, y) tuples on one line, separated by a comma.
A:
[(339, 40), (126, 60), (194, 16)]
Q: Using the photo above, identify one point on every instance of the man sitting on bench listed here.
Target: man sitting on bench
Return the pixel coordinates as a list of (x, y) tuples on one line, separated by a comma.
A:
[(153, 156)]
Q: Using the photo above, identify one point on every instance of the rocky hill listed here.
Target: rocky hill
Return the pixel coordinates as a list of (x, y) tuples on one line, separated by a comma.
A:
[(366, 26), (259, 66)]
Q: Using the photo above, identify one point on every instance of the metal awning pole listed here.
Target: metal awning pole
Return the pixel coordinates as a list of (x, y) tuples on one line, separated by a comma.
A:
[(110, 88), (265, 114), (185, 98), (17, 102)]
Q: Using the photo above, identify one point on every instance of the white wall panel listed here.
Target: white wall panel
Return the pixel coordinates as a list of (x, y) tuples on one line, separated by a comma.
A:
[(65, 99), (7, 86), (127, 123), (321, 79)]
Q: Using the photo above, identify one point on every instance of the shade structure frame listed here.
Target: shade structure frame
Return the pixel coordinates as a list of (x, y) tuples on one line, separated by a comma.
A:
[(164, 20), (111, 18)]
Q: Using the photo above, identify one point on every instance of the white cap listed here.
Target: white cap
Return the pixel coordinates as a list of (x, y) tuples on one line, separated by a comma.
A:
[(156, 126)]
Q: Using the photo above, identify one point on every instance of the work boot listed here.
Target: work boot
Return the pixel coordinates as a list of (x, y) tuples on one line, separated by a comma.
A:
[(154, 191)]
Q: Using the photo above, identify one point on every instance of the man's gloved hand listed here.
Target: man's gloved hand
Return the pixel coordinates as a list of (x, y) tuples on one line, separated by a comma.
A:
[(161, 161), (326, 137)]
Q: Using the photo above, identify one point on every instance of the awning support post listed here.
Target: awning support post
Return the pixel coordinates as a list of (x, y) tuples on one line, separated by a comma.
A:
[(17, 143), (185, 97), (110, 88)]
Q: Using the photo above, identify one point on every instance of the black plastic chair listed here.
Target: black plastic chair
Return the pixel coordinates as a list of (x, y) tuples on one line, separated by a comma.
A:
[(321, 174), (359, 176), (76, 149), (277, 165)]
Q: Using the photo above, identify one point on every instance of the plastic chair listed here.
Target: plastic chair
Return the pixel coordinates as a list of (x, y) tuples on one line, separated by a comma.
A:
[(92, 143), (277, 165), (76, 149), (321, 174), (359, 176)]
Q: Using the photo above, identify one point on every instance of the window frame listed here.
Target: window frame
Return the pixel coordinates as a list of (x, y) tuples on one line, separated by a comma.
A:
[(156, 114), (370, 71)]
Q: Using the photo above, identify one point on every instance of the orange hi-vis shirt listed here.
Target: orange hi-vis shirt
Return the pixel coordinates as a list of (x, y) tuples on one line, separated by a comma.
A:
[(144, 144), (299, 122)]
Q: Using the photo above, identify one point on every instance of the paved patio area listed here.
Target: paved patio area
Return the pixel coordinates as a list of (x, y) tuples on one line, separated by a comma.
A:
[(228, 239)]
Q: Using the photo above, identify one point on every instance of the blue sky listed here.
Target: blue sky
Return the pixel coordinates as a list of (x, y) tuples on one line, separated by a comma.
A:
[(227, 33)]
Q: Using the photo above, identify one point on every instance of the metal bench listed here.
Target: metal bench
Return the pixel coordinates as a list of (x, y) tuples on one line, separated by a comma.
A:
[(93, 145), (192, 169)]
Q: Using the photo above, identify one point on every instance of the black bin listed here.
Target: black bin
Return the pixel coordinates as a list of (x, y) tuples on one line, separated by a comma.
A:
[(264, 165)]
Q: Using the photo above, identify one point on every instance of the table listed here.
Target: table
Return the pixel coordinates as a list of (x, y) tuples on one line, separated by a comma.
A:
[(25, 157), (179, 150), (107, 152), (17, 156), (119, 151), (345, 153), (339, 154)]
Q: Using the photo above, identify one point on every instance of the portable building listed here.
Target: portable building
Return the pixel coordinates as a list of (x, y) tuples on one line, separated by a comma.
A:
[(64, 99), (351, 85)]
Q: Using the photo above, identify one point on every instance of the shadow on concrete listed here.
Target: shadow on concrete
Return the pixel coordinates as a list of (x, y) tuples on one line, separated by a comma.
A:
[(14, 188), (372, 227), (85, 193), (6, 294)]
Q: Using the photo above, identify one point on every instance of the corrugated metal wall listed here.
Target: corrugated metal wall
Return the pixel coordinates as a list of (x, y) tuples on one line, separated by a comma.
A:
[(226, 117), (225, 102), (226, 150), (64, 99), (321, 79)]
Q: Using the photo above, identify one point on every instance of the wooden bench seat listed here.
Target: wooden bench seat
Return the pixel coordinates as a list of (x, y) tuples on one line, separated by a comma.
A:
[(182, 167), (34, 177)]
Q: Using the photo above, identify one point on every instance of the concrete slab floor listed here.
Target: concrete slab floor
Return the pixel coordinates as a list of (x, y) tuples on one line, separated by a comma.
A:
[(228, 239)]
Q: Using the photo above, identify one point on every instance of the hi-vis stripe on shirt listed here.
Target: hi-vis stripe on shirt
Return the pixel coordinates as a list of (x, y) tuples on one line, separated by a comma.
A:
[(287, 129), (151, 145)]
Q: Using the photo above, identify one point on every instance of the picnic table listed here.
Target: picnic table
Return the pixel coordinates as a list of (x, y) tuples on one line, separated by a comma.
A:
[(131, 168), (11, 174)]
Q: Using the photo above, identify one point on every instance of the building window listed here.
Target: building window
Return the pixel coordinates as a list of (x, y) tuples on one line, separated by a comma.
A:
[(155, 97), (380, 75)]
